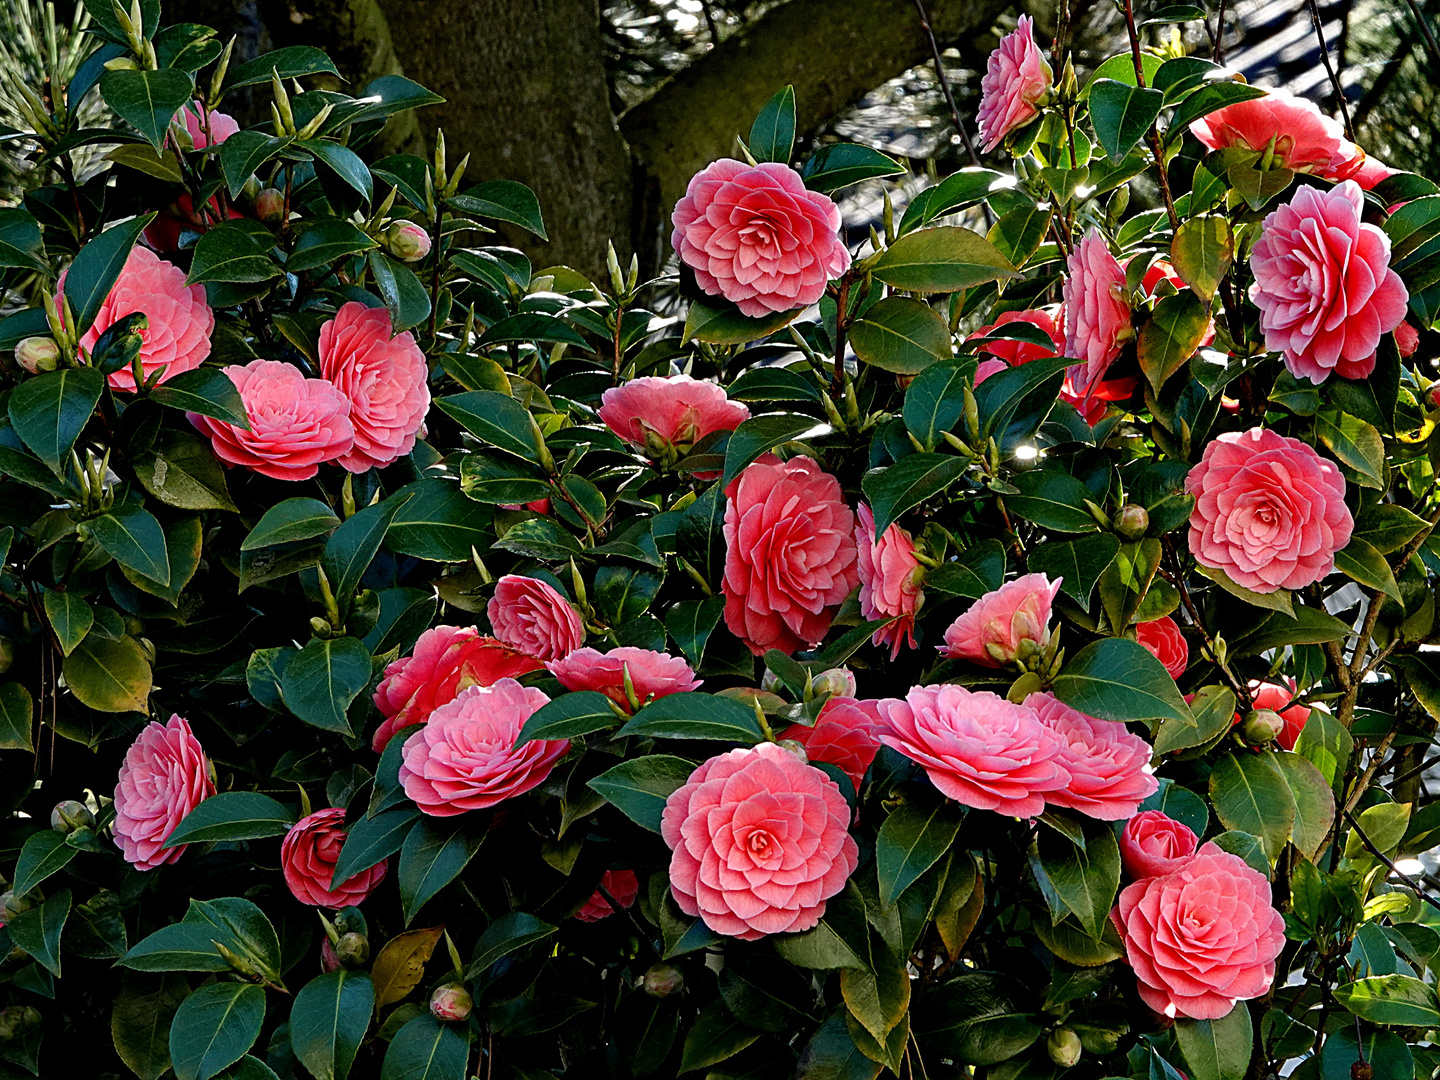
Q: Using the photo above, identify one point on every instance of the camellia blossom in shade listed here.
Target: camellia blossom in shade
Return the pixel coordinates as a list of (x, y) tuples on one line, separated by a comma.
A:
[(992, 630), (1017, 79), (296, 424), (978, 748), (1202, 937), (1278, 699), (623, 887), (384, 379), (531, 617), (1306, 140), (789, 554), (208, 127), (1163, 638), (1014, 352), (165, 775), (1269, 511), (759, 841), (846, 734), (891, 580), (308, 855), (1097, 316), (444, 661), (755, 235), (465, 757), (652, 674), (1109, 768), (1323, 284), (1154, 843), (181, 322), (666, 416)]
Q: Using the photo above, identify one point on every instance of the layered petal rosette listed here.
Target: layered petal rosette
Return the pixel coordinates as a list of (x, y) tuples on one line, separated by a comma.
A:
[(651, 674), (891, 580), (308, 855), (1304, 138), (531, 617), (1017, 79), (1097, 316), (1108, 767), (1163, 638), (995, 629), (846, 734), (1154, 844), (664, 417), (165, 775)]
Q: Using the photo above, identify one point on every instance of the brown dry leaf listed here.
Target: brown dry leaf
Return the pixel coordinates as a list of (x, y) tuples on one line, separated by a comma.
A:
[(401, 964)]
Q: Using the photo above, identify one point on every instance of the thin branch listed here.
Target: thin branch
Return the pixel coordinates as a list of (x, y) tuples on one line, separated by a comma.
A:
[(1153, 137), (1430, 42), (1406, 878), (1329, 70), (1218, 51), (945, 83)]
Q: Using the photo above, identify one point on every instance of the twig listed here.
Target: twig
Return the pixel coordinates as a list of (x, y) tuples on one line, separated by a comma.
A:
[(1406, 878), (945, 83), (1217, 53), (1361, 786), (1430, 42), (1329, 70), (1153, 138)]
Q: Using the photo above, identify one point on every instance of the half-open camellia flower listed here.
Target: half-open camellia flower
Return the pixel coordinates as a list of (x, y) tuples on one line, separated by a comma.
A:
[(846, 734), (1014, 352), (759, 841), (308, 855), (1109, 768), (1163, 638), (651, 674), (1305, 139), (664, 417), (1017, 79), (891, 581), (531, 617), (1002, 624), (1154, 843), (165, 775), (1097, 316)]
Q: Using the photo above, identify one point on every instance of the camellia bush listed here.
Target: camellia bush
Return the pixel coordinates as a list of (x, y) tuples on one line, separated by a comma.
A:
[(972, 653)]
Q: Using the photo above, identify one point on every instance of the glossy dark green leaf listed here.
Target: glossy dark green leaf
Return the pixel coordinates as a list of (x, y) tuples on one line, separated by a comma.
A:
[(38, 930), (244, 152), (841, 164), (49, 411), (181, 470), (1076, 881), (761, 434), (909, 482), (978, 569), (352, 546), (372, 838), (141, 1017), (69, 616), (1118, 679), (289, 63), (722, 325), (638, 788), (147, 99), (691, 622), (1122, 114), (943, 259), (207, 391), (493, 418), (912, 839), (1211, 96), (432, 856), (232, 815), (1249, 793), (21, 242), (231, 253), (1169, 339), (569, 716), (241, 927), (772, 135), (511, 931), (901, 335), (696, 715), (503, 200), (214, 1027), (324, 241), (978, 1018), (293, 519), (43, 854), (323, 678), (177, 947), (531, 326), (960, 189), (1401, 1000), (328, 1021), (715, 1036), (1052, 499), (133, 538), (1077, 563), (17, 712), (425, 1049), (439, 523)]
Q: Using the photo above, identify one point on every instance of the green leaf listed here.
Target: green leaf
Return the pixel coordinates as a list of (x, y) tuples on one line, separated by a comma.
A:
[(569, 716), (718, 325), (21, 243), (1122, 114), (913, 839), (289, 63), (231, 253), (960, 189), (1216, 94), (1310, 626), (244, 152), (691, 622), (1170, 337), (909, 482), (242, 928), (1401, 1000), (370, 839), (772, 136), (132, 537), (432, 856), (943, 259), (181, 470), (324, 241), (328, 1021), (1017, 391), (323, 678), (177, 947), (531, 326), (91, 275), (38, 930), (761, 434), (43, 854), (1079, 881), (1250, 794), (288, 521), (1052, 499), (831, 1054), (1217, 1049), (489, 479), (638, 788), (841, 164), (140, 1021), (214, 1027), (232, 815), (1201, 253), (715, 1036), (511, 931), (1077, 563), (840, 940), (70, 617), (347, 165), (978, 569), (1387, 527), (1359, 560), (1279, 600), (1119, 679), (1326, 744), (1020, 232), (495, 419), (425, 1050), (503, 200), (147, 99), (901, 335), (1211, 712), (1314, 802), (17, 713), (1356, 443), (352, 546), (439, 523), (109, 676), (978, 1018), (207, 391), (695, 715), (49, 411), (935, 401)]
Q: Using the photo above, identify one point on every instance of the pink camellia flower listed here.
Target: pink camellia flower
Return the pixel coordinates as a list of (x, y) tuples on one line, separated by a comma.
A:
[(407, 241), (986, 368), (1407, 340), (891, 580), (465, 757), (991, 631), (846, 734), (759, 841), (1202, 937), (1269, 511), (296, 423), (1109, 768), (1017, 79), (1154, 844), (531, 617), (308, 855), (1163, 638), (1277, 698), (623, 887), (1323, 284), (665, 417), (1371, 173), (755, 235), (1306, 140), (384, 379), (165, 775), (978, 748), (789, 554), (163, 234), (181, 322), (1014, 353), (1097, 317), (444, 661), (652, 674), (208, 127)]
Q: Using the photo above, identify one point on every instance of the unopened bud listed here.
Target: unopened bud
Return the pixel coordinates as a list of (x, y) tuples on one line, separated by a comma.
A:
[(407, 241), (663, 980), (1261, 726), (837, 682), (1064, 1047), (37, 354), (451, 1003), (270, 205), (71, 815), (1132, 521), (12, 905), (250, 190), (770, 682), (353, 949), (796, 747), (328, 960)]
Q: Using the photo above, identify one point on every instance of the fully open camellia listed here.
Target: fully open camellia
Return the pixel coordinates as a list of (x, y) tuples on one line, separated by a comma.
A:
[(755, 235), (651, 674), (164, 777), (664, 417), (1154, 844), (1304, 138), (1097, 316), (1202, 937), (531, 617), (758, 842), (846, 734), (1017, 79), (623, 887), (1269, 511), (1001, 624), (1108, 768), (789, 554), (1163, 638), (308, 855), (891, 580), (465, 757)]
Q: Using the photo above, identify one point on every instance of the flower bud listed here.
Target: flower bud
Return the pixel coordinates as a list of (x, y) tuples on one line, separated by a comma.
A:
[(835, 681), (663, 980), (270, 205), (37, 354), (451, 1003), (71, 815), (351, 920), (328, 960), (12, 905), (1261, 726), (1064, 1047), (353, 949), (796, 747), (1132, 521), (407, 241), (770, 682)]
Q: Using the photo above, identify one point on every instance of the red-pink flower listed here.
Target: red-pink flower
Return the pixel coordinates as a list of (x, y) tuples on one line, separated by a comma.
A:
[(665, 417), (994, 628), (1154, 843), (846, 734), (978, 748), (1163, 638), (1097, 316), (755, 235), (789, 554), (295, 423), (623, 887), (384, 379), (652, 674), (1306, 140), (308, 855), (1407, 340), (181, 322), (1202, 937), (1371, 173), (208, 127), (891, 580), (444, 661), (986, 368), (1269, 511), (758, 842), (1017, 78), (1323, 284), (165, 775), (1109, 768), (530, 616), (465, 757), (163, 234), (1015, 352), (1277, 698)]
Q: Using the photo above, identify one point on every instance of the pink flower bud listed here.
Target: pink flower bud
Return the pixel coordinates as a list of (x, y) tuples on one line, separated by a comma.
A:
[(451, 1003), (835, 681), (270, 205), (71, 815), (1261, 727), (37, 354), (663, 980), (407, 241)]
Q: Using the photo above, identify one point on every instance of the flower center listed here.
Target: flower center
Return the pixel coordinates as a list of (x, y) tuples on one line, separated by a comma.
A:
[(760, 233), (761, 845)]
